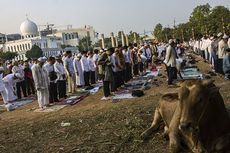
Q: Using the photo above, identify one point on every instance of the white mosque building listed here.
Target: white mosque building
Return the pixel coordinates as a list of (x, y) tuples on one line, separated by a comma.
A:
[(50, 44)]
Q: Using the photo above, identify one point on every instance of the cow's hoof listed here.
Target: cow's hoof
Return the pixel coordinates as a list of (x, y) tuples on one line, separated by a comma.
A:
[(144, 136)]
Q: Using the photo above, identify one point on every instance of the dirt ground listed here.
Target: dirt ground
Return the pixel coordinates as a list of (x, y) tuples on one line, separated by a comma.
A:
[(96, 126)]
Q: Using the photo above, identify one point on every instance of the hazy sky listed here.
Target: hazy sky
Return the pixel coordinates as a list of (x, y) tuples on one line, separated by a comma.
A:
[(104, 15)]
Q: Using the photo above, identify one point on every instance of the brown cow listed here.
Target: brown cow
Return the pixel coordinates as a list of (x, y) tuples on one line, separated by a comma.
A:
[(196, 116)]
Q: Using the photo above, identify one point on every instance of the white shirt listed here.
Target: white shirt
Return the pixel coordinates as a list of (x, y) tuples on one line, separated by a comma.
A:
[(127, 56), (60, 70), (92, 66), (95, 59), (85, 64), (49, 68)]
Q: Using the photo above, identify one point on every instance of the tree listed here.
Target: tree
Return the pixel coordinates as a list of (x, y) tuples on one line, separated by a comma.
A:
[(158, 32), (199, 18), (8, 55), (218, 19), (85, 44), (34, 52)]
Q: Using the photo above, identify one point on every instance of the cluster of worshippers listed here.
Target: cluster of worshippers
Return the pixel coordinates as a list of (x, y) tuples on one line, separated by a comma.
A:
[(51, 78), (214, 49)]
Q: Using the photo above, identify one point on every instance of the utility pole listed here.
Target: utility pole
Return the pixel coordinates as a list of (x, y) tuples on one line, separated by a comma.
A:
[(174, 28)]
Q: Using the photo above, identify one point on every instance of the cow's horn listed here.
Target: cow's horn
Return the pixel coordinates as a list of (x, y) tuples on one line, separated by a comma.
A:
[(207, 82)]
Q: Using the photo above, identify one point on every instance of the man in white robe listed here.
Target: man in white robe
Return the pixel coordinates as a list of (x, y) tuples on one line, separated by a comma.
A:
[(41, 82), (85, 68), (2, 87), (78, 71), (10, 83)]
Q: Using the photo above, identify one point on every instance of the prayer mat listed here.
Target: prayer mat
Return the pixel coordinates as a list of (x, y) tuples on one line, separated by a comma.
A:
[(53, 108), (72, 100), (18, 103), (191, 73), (122, 96)]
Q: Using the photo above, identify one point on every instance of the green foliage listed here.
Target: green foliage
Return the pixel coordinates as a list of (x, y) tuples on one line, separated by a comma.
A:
[(34, 52), (65, 46), (8, 55), (158, 32), (203, 20), (85, 44)]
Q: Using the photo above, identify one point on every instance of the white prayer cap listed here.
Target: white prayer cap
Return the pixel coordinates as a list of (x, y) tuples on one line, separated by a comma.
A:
[(79, 55), (171, 41), (211, 38), (1, 68), (225, 36), (41, 59), (101, 51), (18, 75), (219, 34)]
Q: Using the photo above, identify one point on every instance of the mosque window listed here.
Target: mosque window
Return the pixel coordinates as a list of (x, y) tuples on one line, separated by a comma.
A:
[(28, 46), (69, 36), (72, 36), (15, 48), (20, 47), (66, 37), (23, 46), (11, 48)]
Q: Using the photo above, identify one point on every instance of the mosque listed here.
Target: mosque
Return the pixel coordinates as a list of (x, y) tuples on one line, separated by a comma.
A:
[(50, 43)]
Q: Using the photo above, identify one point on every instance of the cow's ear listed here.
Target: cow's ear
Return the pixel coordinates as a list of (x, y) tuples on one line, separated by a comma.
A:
[(207, 82)]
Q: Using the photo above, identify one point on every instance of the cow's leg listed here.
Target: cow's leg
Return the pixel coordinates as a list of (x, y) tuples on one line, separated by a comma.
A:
[(174, 142), (174, 139), (155, 125)]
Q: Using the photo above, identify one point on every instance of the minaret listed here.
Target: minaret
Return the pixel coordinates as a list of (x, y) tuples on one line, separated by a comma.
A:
[(112, 39), (123, 38), (103, 41)]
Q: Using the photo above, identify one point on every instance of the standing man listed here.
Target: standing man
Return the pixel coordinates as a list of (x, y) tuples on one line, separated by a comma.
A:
[(29, 79), (92, 68), (49, 67), (170, 61), (85, 68), (105, 60), (61, 78), (21, 84), (128, 70), (222, 46), (80, 82), (41, 81), (68, 65), (95, 61)]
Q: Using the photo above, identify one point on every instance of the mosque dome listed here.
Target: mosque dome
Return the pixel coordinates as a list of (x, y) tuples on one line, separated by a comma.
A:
[(29, 29)]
